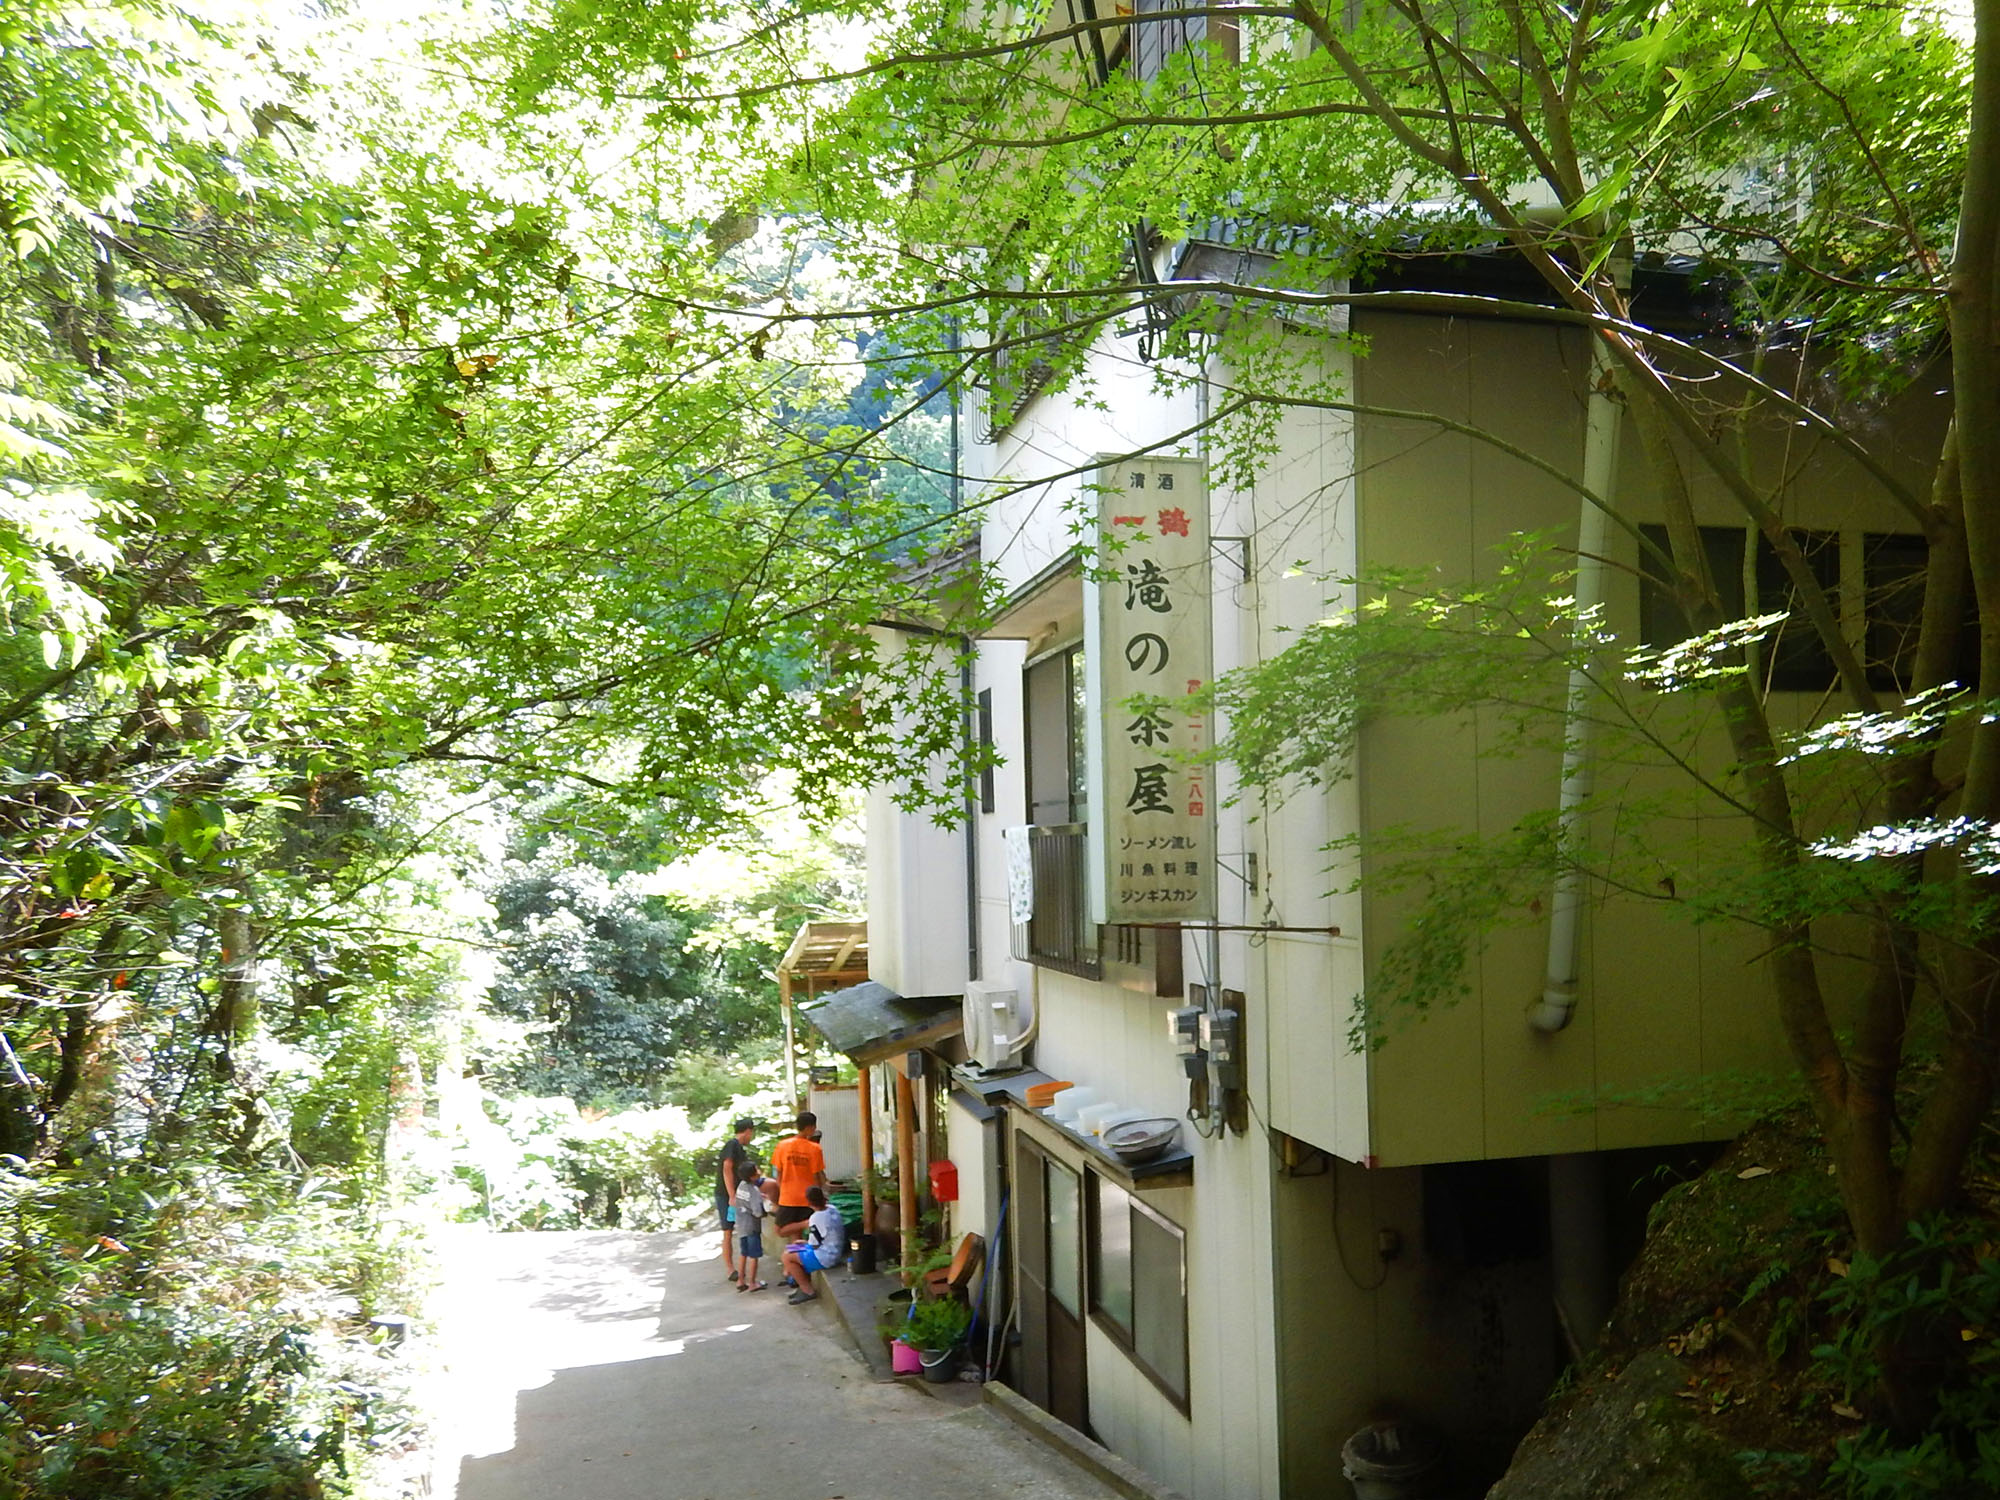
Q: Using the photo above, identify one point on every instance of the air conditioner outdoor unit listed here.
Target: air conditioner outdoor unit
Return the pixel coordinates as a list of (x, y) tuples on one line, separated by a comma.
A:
[(992, 1032)]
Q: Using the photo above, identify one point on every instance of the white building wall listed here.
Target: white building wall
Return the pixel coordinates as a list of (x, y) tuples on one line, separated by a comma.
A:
[(1027, 526), (1114, 1039), (965, 1141), (998, 671), (839, 1113), (916, 882)]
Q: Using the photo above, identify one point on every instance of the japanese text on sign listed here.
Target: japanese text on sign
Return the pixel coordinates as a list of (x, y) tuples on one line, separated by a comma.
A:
[(1153, 607)]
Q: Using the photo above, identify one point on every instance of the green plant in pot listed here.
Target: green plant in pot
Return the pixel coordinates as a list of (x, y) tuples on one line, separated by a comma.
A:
[(936, 1325), (887, 1184)]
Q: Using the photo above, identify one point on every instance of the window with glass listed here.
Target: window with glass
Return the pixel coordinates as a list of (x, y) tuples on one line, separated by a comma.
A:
[(1895, 569), (1060, 934), (1796, 659), (1053, 706), (1138, 1284)]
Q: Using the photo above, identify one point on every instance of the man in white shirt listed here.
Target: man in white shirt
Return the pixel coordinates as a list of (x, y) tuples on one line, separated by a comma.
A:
[(822, 1249)]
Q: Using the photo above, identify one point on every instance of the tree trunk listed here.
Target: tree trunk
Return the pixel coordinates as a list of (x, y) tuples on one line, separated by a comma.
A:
[(236, 996)]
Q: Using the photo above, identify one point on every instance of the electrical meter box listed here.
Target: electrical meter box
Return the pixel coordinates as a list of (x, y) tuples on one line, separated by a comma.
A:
[(1221, 1034)]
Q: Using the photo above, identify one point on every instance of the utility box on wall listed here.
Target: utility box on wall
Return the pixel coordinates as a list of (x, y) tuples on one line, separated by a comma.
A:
[(944, 1182)]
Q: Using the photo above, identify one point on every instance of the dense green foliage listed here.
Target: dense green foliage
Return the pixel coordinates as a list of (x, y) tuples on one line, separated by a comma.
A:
[(195, 1353), (396, 410), (1767, 225), (361, 464), (628, 990), (607, 976), (1939, 1292)]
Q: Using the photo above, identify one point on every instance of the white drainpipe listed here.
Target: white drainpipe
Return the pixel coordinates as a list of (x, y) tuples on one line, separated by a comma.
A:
[(1600, 470)]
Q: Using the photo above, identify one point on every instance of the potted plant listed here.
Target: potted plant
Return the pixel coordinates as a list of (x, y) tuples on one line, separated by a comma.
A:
[(936, 1330), (887, 1188)]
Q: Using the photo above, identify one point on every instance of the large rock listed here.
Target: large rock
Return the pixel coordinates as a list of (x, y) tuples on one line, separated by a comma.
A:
[(1625, 1438)]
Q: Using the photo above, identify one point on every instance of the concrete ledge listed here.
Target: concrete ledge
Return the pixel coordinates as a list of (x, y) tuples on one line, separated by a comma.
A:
[(853, 1300), (1126, 1478)]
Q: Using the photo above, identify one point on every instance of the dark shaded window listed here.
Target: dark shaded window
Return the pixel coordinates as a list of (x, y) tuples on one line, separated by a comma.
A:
[(1053, 690), (982, 728), (1138, 1284), (1795, 659), (1892, 568)]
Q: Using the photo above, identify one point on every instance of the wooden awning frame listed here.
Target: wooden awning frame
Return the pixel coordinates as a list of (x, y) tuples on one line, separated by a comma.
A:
[(822, 956)]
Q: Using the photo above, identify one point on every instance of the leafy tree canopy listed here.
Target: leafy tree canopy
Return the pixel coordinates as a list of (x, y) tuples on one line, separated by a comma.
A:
[(1772, 219)]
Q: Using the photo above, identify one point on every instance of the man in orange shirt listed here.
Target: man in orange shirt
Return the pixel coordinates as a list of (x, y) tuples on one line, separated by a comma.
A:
[(798, 1164)]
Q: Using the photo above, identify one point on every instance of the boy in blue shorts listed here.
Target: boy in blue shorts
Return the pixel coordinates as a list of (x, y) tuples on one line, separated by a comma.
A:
[(822, 1248), (750, 1206)]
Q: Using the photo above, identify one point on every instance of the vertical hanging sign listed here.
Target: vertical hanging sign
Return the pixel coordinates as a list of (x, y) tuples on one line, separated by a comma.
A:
[(1154, 643)]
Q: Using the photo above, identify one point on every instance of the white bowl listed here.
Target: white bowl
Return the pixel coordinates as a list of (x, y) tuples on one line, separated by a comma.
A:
[(1142, 1140)]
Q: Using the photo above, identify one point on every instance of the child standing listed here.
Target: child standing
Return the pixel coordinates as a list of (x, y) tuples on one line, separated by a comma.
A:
[(750, 1206)]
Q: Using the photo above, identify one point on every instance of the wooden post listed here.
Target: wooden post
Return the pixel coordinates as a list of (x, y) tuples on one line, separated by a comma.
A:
[(906, 1171), (867, 1148), (791, 1057)]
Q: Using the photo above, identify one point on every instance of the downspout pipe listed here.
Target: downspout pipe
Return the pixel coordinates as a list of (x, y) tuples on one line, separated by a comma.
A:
[(973, 961), (1602, 431)]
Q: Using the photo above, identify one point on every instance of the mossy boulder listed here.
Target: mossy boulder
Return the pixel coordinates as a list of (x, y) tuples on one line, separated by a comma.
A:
[(1629, 1436)]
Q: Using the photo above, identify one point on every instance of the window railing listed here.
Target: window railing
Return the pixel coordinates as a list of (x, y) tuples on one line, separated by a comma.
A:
[(1060, 934)]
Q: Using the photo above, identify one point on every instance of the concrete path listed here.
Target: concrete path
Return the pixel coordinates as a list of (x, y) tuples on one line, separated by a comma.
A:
[(609, 1366)]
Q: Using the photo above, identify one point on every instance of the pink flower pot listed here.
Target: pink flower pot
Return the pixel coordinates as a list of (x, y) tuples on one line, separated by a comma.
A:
[(904, 1360)]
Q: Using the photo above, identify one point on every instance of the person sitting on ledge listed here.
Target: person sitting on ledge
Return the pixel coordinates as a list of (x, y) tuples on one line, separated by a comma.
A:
[(822, 1248)]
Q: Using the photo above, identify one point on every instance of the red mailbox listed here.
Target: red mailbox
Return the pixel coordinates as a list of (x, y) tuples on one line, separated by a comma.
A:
[(944, 1182)]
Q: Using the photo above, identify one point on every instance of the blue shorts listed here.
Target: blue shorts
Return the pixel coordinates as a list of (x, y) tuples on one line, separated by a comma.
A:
[(810, 1262), (751, 1246)]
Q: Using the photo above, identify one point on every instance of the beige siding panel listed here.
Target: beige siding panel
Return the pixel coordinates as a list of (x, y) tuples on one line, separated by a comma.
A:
[(1318, 1086), (1532, 1079), (1415, 508), (1541, 413), (1743, 1047), (1301, 512), (1427, 1080), (1664, 1005), (1643, 1000)]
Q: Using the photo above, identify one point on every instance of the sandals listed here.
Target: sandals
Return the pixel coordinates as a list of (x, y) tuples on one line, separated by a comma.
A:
[(755, 1287), (798, 1297), (735, 1275)]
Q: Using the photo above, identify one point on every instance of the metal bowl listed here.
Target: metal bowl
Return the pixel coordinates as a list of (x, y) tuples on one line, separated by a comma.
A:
[(1138, 1141)]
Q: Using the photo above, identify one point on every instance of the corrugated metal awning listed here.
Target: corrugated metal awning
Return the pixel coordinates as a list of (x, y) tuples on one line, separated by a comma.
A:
[(870, 1022)]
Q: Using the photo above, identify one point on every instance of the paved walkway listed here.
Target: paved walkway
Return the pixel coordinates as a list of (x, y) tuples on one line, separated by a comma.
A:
[(609, 1366)]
